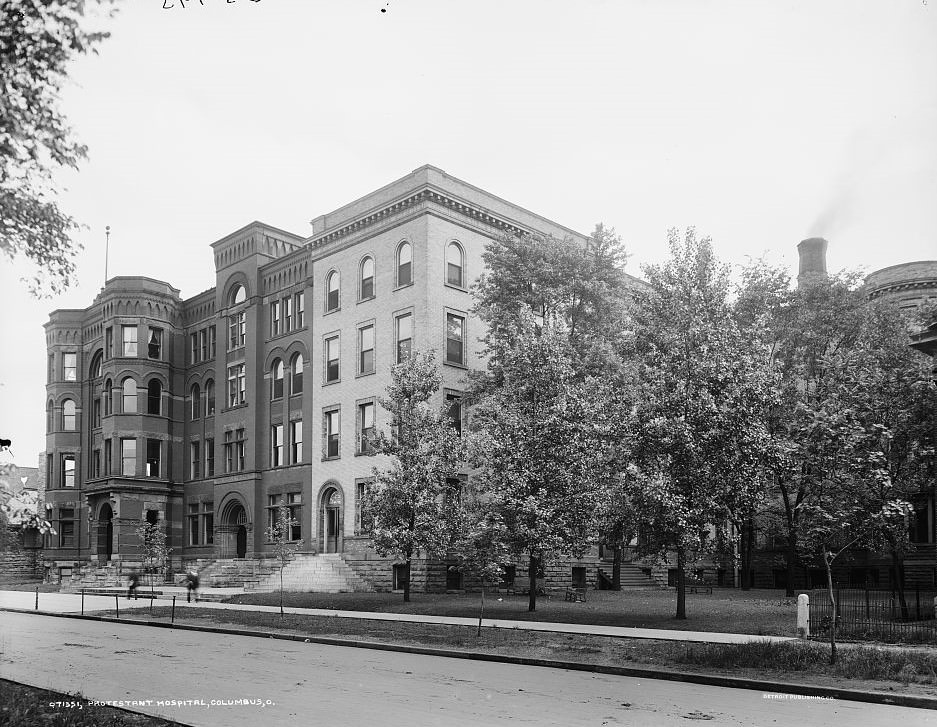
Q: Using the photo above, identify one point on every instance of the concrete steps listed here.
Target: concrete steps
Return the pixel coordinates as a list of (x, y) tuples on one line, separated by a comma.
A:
[(631, 576), (313, 573)]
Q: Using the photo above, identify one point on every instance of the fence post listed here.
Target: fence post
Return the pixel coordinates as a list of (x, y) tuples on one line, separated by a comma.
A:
[(82, 601), (803, 615), (37, 598), (172, 618), (117, 604)]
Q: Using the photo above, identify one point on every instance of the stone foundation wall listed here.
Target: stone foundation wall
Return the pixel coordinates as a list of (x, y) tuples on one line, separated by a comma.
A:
[(19, 564)]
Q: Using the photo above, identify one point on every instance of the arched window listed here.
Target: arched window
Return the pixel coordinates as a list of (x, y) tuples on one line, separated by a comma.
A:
[(209, 398), (50, 416), (367, 278), (154, 395), (404, 264), (454, 264), (96, 365), (68, 416), (296, 374), (195, 403), (332, 285), (238, 294), (108, 401), (276, 388), (129, 396)]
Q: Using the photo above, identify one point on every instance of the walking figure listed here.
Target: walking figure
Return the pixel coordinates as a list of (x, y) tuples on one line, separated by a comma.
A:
[(191, 582), (132, 589)]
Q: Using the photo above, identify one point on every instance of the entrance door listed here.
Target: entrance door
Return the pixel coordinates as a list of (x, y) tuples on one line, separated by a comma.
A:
[(241, 541), (106, 532), (331, 530)]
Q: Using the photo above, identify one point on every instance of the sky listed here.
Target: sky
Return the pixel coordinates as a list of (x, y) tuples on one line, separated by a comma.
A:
[(758, 123)]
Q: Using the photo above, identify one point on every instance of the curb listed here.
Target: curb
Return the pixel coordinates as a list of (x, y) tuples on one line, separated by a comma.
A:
[(808, 690)]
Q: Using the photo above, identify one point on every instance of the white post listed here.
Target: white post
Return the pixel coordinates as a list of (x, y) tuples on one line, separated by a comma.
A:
[(803, 615)]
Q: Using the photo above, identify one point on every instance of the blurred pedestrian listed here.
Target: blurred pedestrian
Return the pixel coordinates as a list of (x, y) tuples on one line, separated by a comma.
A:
[(134, 581), (191, 583)]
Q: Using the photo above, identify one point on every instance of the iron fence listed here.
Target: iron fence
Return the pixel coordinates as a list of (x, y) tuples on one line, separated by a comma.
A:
[(880, 615)]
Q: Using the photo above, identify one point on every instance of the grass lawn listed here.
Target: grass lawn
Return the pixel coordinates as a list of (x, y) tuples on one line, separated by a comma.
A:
[(901, 670), (759, 612), (23, 706)]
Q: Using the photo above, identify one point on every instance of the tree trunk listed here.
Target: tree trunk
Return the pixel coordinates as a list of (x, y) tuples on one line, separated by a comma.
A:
[(681, 583), (748, 545), (532, 600), (406, 583), (898, 564), (829, 585), (791, 557), (616, 568), (282, 565), (481, 612)]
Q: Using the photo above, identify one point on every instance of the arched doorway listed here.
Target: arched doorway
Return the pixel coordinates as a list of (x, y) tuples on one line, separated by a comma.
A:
[(106, 531), (234, 530), (330, 514)]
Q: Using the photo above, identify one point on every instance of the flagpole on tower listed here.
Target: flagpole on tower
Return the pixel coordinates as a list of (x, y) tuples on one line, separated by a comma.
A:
[(107, 249)]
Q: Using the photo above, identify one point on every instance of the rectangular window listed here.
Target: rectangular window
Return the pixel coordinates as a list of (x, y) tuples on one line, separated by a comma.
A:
[(96, 466), (203, 344), (50, 368), (229, 451), (294, 505), (193, 524), (273, 511), (239, 449), (454, 403), (70, 367), (366, 350), (96, 412), (300, 310), (153, 450), (209, 457), (287, 314), (276, 445), (129, 334), (275, 318), (109, 342), (128, 457), (68, 470), (107, 457), (193, 348), (455, 338), (296, 441), (237, 385), (404, 330), (66, 527), (331, 359), (208, 522), (362, 518), (237, 330), (155, 343), (211, 342), (365, 427), (332, 431), (194, 460)]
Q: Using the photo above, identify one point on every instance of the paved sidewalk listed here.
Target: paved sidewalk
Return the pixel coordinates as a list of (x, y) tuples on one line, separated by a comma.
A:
[(71, 603)]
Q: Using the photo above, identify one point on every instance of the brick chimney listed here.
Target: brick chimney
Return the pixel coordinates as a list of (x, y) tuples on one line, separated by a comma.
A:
[(812, 261)]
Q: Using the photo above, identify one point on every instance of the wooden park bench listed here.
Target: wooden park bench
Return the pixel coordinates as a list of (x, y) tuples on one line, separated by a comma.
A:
[(699, 585), (577, 595)]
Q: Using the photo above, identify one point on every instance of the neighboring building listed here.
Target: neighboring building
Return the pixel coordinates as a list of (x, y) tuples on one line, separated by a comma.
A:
[(205, 414), (911, 286)]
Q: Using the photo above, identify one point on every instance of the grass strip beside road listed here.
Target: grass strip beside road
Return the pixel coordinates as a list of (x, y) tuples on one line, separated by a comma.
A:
[(911, 670), (25, 706)]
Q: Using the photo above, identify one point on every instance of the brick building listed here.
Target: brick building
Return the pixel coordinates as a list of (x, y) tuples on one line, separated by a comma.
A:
[(204, 414)]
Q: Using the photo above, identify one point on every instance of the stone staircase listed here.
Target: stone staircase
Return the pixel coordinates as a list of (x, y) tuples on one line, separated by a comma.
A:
[(243, 573), (631, 575), (310, 573)]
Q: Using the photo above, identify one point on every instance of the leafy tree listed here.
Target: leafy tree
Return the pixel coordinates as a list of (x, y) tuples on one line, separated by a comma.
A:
[(699, 433), (37, 42), (278, 535), (153, 549), (541, 443), (413, 503), (482, 548)]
